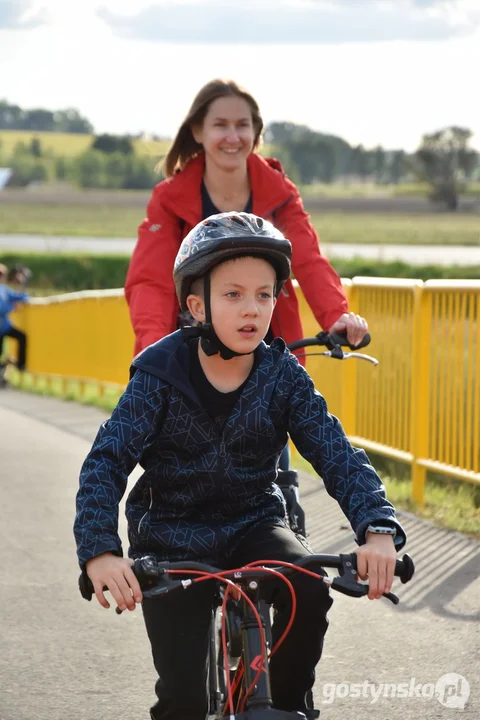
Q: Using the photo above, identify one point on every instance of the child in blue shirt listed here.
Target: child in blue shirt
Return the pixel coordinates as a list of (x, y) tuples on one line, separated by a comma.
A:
[(207, 413), (8, 300)]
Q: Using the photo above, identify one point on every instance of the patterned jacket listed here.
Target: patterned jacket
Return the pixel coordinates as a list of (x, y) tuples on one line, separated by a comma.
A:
[(202, 488)]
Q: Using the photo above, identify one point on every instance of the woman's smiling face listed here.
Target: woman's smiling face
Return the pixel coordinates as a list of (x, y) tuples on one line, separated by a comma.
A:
[(227, 133)]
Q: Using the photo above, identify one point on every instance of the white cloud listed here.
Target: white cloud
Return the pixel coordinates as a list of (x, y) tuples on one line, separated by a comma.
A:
[(269, 22), (21, 15), (385, 93)]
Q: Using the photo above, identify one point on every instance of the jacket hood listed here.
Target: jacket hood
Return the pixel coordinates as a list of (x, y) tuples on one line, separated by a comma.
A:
[(270, 188), (169, 360)]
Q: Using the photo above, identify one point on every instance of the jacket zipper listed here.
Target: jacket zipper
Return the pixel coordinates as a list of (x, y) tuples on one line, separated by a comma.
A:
[(222, 452), (146, 513)]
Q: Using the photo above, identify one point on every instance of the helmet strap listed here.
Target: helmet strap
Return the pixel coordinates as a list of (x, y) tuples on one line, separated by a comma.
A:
[(209, 340)]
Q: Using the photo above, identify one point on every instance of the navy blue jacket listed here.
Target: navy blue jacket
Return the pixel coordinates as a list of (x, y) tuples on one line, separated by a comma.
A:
[(202, 488)]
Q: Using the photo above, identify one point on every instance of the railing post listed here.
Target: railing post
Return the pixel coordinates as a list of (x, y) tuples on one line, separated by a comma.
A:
[(420, 389), (348, 374)]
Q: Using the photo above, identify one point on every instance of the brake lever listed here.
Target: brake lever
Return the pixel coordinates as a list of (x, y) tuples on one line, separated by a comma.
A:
[(357, 589), (346, 582), (360, 356)]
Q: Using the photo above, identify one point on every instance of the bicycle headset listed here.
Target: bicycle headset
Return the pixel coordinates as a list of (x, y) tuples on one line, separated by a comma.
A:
[(216, 239)]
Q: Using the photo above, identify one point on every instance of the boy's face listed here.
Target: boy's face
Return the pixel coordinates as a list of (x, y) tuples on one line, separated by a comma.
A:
[(242, 301)]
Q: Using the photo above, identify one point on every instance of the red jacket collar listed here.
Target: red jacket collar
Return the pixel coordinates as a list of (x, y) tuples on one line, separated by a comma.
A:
[(270, 188)]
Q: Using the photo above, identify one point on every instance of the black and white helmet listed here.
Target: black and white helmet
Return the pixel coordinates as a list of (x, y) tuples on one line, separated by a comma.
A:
[(226, 236)]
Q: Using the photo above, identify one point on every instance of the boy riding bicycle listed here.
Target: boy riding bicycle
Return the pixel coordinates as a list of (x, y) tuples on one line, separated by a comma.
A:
[(206, 413)]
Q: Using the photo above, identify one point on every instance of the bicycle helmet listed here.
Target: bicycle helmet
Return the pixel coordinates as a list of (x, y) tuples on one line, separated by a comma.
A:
[(219, 238)]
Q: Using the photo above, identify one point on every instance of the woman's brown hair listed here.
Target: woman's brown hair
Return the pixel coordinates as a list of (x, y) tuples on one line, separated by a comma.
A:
[(185, 146)]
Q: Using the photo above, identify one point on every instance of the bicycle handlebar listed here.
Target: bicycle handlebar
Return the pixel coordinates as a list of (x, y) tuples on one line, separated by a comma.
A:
[(156, 581), (334, 342), (330, 341)]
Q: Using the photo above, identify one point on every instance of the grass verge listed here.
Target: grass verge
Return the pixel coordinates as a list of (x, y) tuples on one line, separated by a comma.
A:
[(449, 503), (71, 390), (119, 221)]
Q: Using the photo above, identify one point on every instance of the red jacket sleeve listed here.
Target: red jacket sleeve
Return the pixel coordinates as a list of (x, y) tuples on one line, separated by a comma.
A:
[(149, 286), (320, 283)]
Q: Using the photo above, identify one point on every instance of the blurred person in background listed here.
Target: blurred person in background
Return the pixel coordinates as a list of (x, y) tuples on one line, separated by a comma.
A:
[(9, 299)]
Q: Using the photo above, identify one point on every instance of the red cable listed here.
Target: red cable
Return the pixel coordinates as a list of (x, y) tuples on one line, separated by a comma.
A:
[(225, 652), (220, 576), (231, 688), (292, 591)]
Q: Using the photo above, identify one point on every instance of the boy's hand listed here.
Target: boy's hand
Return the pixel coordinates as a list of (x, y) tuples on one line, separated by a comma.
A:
[(376, 561), (117, 574)]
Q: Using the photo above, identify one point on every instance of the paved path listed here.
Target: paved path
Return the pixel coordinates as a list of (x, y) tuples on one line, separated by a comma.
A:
[(414, 254), (64, 659)]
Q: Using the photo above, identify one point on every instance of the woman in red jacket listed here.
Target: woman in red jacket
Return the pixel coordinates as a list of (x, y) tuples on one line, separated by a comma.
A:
[(212, 167)]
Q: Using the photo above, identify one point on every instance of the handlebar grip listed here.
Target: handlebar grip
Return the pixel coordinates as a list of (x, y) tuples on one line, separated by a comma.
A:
[(85, 586), (405, 568), (341, 339)]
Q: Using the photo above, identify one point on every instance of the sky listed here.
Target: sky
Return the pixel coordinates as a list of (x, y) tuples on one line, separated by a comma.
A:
[(375, 72)]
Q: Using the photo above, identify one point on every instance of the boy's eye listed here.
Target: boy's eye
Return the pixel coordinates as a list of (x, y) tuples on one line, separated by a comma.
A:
[(233, 293), (265, 295)]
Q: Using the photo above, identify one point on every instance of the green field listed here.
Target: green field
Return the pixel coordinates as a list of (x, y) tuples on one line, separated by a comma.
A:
[(122, 220), (397, 229), (64, 219), (71, 144)]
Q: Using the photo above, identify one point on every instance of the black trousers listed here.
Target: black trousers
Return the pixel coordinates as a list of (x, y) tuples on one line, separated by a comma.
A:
[(21, 338), (178, 629)]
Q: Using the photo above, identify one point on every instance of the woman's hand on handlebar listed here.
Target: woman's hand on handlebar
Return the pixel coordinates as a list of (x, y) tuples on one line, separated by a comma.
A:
[(353, 325), (107, 571), (376, 562)]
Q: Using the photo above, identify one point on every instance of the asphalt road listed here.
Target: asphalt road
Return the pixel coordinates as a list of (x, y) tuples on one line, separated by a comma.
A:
[(62, 658), (414, 254)]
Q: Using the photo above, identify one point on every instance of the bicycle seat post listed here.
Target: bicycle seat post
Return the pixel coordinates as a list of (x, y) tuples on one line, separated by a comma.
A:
[(261, 696)]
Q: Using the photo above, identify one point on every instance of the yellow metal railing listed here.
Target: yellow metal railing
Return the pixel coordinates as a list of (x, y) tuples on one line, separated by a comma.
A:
[(421, 405)]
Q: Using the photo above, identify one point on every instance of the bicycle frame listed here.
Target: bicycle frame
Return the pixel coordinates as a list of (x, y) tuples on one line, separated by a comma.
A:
[(258, 704)]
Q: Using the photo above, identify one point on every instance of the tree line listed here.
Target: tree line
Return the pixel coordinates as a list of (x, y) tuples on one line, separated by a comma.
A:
[(443, 159), (13, 117), (109, 162)]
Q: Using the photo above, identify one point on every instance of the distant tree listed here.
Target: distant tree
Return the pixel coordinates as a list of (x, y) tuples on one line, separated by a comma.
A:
[(36, 147), (71, 121), (39, 120), (313, 157), (139, 174), (11, 116), (284, 155), (115, 169), (359, 162), (330, 153), (113, 143), (61, 168), (379, 160), (26, 169), (20, 148), (446, 161), (89, 169), (396, 167), (282, 133)]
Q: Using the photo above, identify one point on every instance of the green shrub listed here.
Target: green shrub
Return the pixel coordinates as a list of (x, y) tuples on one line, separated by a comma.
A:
[(70, 272)]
